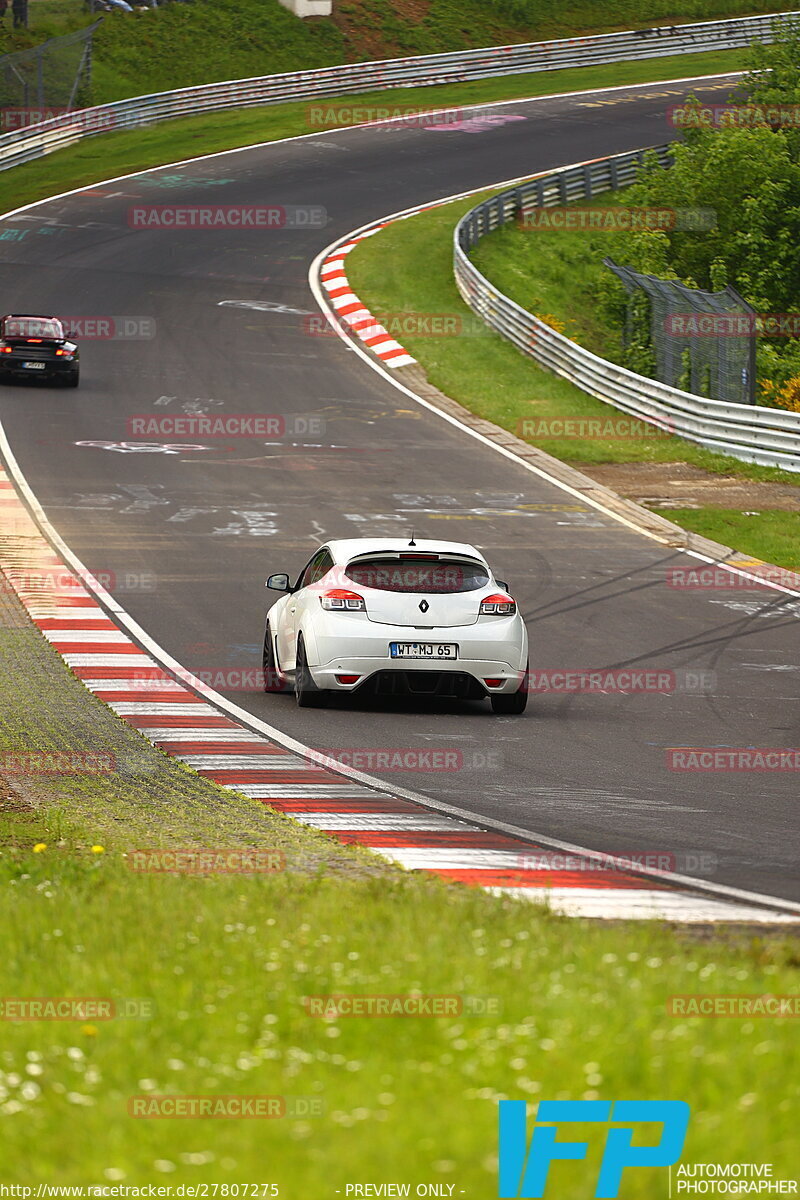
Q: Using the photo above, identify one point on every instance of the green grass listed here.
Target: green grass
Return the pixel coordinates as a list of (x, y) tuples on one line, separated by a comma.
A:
[(554, 273), (225, 963), (184, 44), (219, 968), (258, 37), (588, 14), (46, 19), (770, 535)]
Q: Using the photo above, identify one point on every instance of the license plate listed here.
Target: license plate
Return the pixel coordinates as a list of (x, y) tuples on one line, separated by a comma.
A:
[(423, 650), (35, 366)]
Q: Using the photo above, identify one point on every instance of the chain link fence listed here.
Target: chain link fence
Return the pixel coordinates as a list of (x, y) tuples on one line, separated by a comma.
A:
[(708, 358), (46, 80)]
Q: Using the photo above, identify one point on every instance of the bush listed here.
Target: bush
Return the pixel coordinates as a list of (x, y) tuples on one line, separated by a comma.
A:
[(755, 246)]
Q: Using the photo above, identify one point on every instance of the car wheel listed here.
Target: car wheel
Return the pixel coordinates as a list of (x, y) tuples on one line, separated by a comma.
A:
[(274, 680), (73, 379), (513, 704), (306, 692)]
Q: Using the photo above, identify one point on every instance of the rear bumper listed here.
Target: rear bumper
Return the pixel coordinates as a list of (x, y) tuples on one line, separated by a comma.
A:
[(488, 650), (59, 369), (461, 677)]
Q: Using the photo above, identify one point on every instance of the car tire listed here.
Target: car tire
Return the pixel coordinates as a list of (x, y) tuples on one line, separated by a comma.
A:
[(73, 379), (274, 679), (306, 692), (513, 704)]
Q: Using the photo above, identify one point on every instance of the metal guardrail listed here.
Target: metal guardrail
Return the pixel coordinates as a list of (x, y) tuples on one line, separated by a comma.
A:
[(355, 78), (766, 436)]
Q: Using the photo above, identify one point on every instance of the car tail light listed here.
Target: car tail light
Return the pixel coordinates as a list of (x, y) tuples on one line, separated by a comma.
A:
[(493, 682), (498, 605), (341, 600), (64, 353), (37, 340), (5, 349), (347, 678)]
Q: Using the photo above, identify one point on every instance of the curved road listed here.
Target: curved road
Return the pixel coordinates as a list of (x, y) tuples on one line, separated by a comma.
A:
[(190, 536)]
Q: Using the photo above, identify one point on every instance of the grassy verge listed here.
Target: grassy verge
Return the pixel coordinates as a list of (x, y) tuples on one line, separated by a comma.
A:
[(111, 154), (45, 710), (407, 268), (554, 273), (208, 977), (184, 44), (777, 534), (219, 968)]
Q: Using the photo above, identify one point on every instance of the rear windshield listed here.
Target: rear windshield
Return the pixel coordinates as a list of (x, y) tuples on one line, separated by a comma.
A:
[(418, 575), (32, 327)]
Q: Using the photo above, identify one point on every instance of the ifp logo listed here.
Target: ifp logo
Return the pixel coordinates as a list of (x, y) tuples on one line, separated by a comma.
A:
[(524, 1171)]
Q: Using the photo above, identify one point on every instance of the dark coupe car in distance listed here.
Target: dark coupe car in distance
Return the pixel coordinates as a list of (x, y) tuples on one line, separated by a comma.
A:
[(39, 348)]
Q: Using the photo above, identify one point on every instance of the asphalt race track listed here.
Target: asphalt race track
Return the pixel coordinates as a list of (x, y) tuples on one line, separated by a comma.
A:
[(190, 535)]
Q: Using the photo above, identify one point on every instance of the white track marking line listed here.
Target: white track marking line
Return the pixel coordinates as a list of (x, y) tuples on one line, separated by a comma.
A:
[(366, 822)]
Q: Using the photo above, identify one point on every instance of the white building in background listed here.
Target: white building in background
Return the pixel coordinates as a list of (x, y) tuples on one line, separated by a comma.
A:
[(309, 8)]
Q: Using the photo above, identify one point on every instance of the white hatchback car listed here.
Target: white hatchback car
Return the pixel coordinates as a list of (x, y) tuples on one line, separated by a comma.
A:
[(405, 617)]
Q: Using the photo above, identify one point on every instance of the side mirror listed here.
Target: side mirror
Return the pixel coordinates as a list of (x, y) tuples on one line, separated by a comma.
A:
[(278, 583), (502, 583)]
